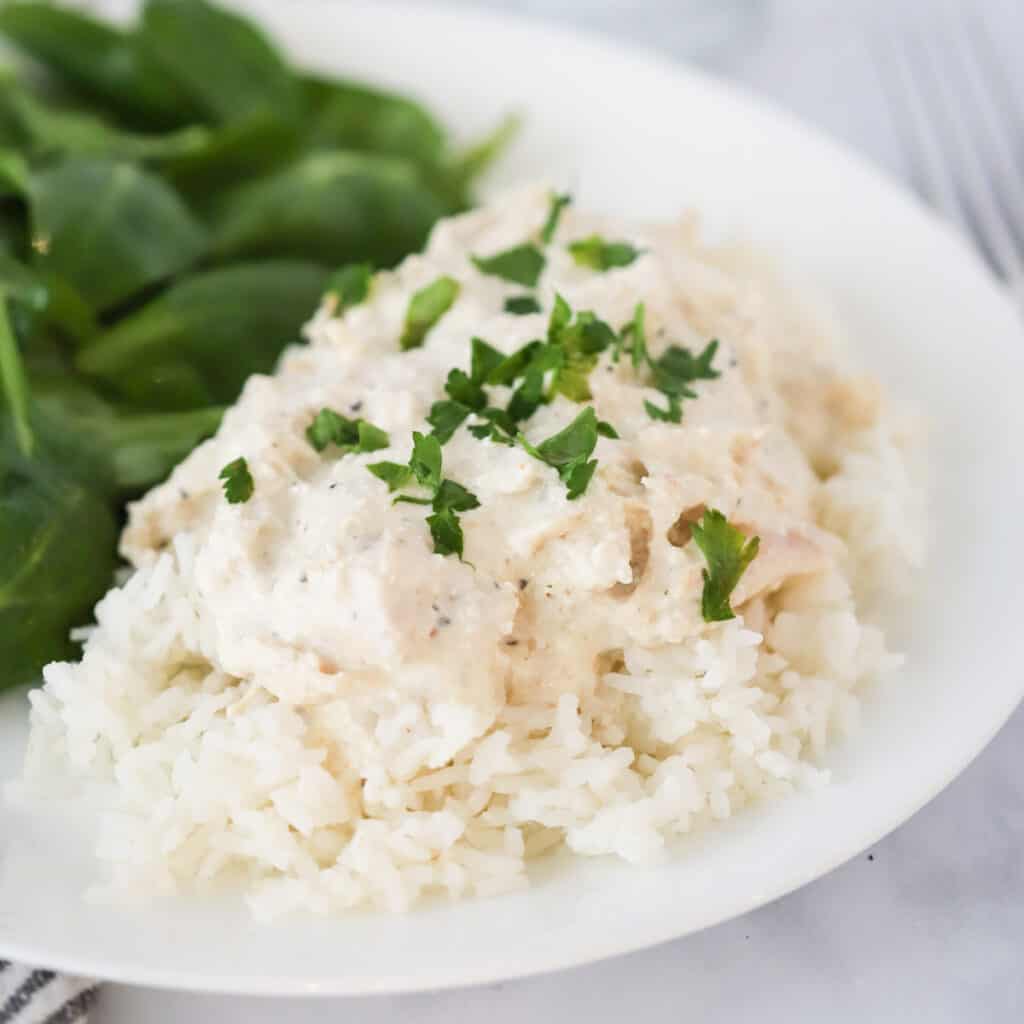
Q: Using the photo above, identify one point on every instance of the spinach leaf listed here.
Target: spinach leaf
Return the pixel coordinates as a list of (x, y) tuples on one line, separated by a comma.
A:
[(346, 115), (225, 324), (335, 208), (219, 59), (57, 556), (240, 151), (473, 161), (145, 447), (110, 228), (101, 61), (45, 130)]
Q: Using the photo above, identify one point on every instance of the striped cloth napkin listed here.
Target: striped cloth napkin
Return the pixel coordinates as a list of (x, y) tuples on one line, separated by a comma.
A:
[(32, 996)]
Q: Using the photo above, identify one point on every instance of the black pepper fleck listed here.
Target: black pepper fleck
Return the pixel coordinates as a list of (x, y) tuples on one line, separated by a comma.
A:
[(303, 578), (444, 621), (512, 642), (355, 407), (871, 856), (523, 584)]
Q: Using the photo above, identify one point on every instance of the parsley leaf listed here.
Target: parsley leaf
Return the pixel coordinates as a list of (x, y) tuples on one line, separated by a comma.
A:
[(569, 452), (514, 365), (484, 360), (521, 264), (579, 344), (425, 461), (394, 474), (446, 532), (727, 553), (446, 417), (357, 436), (426, 307), (446, 500), (522, 305), (558, 204), (351, 284), (465, 389), (672, 372), (527, 397), (678, 367), (238, 484), (596, 253), (454, 497), (497, 425), (672, 413)]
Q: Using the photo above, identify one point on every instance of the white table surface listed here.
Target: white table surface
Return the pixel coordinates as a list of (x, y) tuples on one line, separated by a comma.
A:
[(930, 924)]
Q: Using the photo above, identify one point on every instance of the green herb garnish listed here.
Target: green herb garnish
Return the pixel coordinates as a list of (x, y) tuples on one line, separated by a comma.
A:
[(356, 436), (570, 449), (351, 284), (446, 498), (394, 474), (596, 253), (446, 416), (727, 552), (465, 392), (484, 360), (671, 373), (521, 264), (238, 484), (522, 305), (558, 204), (426, 307)]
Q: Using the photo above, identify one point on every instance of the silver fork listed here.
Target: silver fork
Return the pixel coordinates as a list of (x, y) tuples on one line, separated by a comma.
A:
[(954, 109)]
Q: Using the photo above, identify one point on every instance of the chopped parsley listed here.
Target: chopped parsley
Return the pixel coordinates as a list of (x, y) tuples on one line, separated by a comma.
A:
[(570, 449), (463, 388), (522, 305), (727, 552), (672, 372), (597, 254), (238, 485), (521, 264), (351, 284), (356, 436), (446, 498), (394, 474), (465, 392), (446, 416), (426, 307), (484, 360), (558, 203)]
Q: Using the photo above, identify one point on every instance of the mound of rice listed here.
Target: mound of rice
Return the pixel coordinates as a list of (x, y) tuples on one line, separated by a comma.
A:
[(297, 697)]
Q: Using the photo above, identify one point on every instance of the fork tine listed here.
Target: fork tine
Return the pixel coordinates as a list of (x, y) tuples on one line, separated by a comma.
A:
[(992, 57), (915, 131), (986, 105), (976, 188)]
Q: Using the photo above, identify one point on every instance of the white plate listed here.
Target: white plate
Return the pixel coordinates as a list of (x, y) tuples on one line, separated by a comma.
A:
[(637, 136)]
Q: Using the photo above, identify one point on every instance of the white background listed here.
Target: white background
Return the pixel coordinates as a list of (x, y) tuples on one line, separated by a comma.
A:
[(930, 924)]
